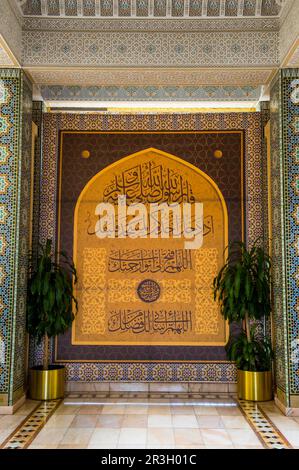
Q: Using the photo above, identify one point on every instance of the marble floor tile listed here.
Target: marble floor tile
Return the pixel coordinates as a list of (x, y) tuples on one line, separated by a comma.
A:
[(160, 421), (184, 421), (4, 434), (67, 409), (160, 438), (136, 409), (220, 446), (210, 422), (256, 446), (182, 410), (228, 411), (43, 446), (187, 437), (70, 446), (104, 438), (205, 410), (159, 410), (10, 421), (135, 421), (130, 446), (132, 436), (59, 421), (50, 436), (114, 409), (216, 437), (109, 421), (292, 436), (27, 408), (235, 422), (77, 436), (285, 423), (245, 437), (90, 410), (84, 421)]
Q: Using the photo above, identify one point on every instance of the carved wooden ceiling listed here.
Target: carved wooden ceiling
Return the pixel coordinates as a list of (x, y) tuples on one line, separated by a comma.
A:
[(152, 8)]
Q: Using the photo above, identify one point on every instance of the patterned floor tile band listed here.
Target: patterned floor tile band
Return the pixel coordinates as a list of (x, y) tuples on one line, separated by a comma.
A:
[(27, 431), (266, 431)]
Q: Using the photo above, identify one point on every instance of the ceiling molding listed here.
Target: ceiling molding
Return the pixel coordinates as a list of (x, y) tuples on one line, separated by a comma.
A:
[(289, 32), (151, 93), (292, 58), (11, 28), (91, 77), (7, 58)]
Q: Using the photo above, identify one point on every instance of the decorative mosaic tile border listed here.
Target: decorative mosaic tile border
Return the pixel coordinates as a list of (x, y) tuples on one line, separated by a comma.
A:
[(15, 159), (285, 229), (150, 93), (278, 240), (27, 431), (250, 123), (266, 431), (212, 372), (290, 157)]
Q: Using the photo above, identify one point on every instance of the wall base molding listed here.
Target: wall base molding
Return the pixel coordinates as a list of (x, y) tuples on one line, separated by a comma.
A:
[(10, 410), (145, 387), (288, 411)]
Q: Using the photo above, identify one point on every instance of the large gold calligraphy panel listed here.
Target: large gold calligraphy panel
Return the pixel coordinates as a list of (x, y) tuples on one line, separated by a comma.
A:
[(148, 291)]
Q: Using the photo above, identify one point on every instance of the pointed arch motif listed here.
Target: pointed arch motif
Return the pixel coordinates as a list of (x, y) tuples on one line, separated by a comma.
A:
[(149, 291)]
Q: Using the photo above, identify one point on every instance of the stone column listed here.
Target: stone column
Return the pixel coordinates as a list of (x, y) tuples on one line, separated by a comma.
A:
[(15, 175), (284, 109)]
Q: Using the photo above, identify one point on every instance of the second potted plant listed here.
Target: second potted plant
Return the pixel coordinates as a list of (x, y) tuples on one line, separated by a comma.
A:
[(242, 289), (51, 308)]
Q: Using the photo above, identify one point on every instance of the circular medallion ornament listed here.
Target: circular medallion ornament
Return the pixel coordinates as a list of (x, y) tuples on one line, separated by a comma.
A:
[(148, 290), (85, 154), (218, 154)]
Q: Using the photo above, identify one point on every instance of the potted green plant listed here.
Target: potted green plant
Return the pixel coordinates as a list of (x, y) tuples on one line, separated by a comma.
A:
[(243, 290), (51, 308)]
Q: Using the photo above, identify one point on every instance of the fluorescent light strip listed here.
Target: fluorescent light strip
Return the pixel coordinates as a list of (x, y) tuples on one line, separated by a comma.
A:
[(151, 104)]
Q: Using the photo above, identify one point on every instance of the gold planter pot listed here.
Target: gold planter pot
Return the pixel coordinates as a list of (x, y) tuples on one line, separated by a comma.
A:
[(46, 384), (255, 386)]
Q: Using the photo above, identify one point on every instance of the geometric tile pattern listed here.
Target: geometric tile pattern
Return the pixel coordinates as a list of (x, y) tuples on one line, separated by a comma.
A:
[(5, 59), (18, 377), (37, 118), (141, 77), (290, 135), (266, 431), (9, 141), (250, 124), (151, 24), (11, 27), (279, 314), (285, 206), (224, 372), (183, 49), (22, 437), (150, 93), (265, 327), (15, 142)]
